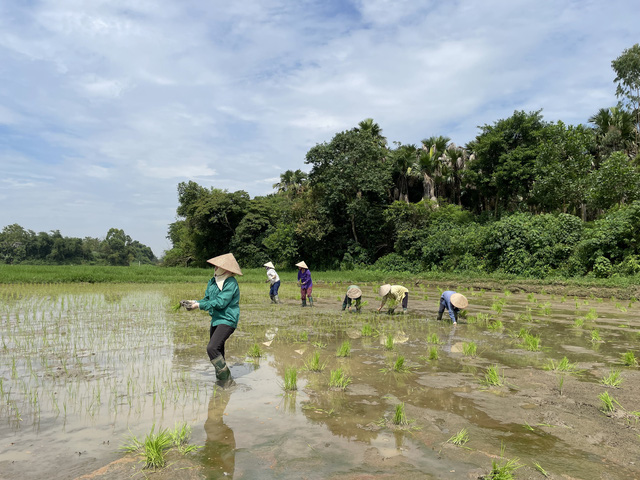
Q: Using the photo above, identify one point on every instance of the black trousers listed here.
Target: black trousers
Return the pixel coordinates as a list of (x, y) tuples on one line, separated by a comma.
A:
[(217, 336)]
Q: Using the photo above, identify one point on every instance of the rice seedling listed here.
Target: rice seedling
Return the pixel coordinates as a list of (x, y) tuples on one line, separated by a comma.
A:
[(388, 342), (304, 337), (400, 365), (433, 353), (338, 379), (469, 349), (367, 330), (563, 365), (152, 448), (460, 438), (290, 379), (613, 379), (482, 318), (495, 326), (319, 345), (531, 342), (344, 350), (629, 359), (560, 381), (595, 336), (528, 427), (507, 293), (313, 364), (591, 315), (531, 298), (503, 470), (607, 402), (498, 305), (492, 377), (255, 351), (578, 322), (545, 309), (540, 469), (399, 417), (433, 338)]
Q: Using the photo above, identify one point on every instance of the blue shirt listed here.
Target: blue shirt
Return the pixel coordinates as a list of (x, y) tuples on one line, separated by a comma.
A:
[(445, 301)]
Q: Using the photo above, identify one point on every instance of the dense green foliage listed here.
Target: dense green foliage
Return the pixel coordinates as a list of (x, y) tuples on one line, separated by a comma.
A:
[(526, 197), (18, 245)]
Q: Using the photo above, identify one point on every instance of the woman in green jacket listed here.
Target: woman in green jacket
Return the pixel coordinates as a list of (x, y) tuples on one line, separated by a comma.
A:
[(222, 301)]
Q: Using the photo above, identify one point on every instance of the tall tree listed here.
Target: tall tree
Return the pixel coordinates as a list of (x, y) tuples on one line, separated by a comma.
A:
[(291, 182), (405, 162), (432, 150), (627, 68), (615, 130)]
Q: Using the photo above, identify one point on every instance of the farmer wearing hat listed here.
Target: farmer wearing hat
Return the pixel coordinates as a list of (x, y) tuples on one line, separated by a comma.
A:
[(353, 293), (305, 283), (453, 302), (222, 301), (274, 279), (398, 293)]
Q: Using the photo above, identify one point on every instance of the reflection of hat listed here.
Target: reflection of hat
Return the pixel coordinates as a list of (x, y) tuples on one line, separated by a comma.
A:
[(302, 265), (459, 301), (269, 265), (354, 292), (384, 289), (226, 262)]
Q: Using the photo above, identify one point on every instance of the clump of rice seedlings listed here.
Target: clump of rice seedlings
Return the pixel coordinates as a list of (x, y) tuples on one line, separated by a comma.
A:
[(339, 379), (433, 353), (344, 350), (595, 336), (540, 469), (304, 336), (495, 326), (607, 402), (469, 349), (482, 318), (503, 470), (498, 305), (629, 359), (433, 338), (319, 344), (545, 308), (507, 293), (388, 342), (255, 351), (313, 364), (180, 438), (531, 298), (400, 365), (290, 379), (523, 317), (399, 417), (613, 379), (155, 445), (459, 438), (578, 322), (563, 365), (591, 315), (367, 330), (492, 377), (531, 342)]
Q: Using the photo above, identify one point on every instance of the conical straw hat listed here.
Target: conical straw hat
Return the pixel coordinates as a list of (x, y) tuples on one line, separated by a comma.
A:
[(384, 289), (354, 292), (226, 262), (459, 301), (302, 265), (269, 265)]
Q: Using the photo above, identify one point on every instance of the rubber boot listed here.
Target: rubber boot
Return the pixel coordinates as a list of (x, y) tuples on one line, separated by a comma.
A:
[(271, 297), (304, 302), (222, 371), (404, 311), (275, 299), (310, 301), (440, 316)]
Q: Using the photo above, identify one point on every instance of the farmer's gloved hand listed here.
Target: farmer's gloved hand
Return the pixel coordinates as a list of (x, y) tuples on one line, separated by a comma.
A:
[(189, 304)]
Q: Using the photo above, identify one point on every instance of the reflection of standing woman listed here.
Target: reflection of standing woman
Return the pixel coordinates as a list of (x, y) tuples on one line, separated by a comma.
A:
[(220, 446), (274, 279), (306, 285), (222, 301)]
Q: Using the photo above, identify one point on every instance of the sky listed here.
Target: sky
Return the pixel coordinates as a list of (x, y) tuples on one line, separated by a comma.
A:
[(106, 106)]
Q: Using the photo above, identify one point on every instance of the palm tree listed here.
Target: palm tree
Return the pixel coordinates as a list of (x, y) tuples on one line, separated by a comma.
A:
[(432, 150), (291, 182), (405, 161), (372, 128), (454, 162), (615, 130)]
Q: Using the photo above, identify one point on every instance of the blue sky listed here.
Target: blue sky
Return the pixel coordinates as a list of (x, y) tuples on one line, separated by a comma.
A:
[(105, 106)]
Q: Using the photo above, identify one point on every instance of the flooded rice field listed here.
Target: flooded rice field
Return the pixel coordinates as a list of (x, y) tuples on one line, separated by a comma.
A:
[(546, 386)]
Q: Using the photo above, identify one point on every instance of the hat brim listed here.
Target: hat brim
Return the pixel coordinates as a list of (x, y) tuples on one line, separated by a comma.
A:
[(354, 293), (459, 301), (226, 262)]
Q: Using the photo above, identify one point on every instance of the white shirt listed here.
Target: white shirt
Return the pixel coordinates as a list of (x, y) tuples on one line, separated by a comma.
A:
[(273, 276)]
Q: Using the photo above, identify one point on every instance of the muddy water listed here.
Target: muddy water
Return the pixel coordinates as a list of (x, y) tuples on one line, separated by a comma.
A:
[(84, 368)]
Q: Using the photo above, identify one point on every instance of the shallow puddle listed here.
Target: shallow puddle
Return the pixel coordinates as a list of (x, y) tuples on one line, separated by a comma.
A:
[(84, 368)]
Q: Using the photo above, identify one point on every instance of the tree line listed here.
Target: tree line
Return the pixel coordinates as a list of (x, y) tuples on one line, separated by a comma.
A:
[(526, 196), (20, 246)]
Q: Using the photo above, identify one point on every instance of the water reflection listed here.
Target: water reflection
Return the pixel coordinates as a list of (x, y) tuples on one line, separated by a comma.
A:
[(220, 446)]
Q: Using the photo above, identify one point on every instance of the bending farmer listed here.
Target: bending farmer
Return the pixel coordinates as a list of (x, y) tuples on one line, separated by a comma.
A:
[(353, 293), (274, 279), (397, 293), (453, 302)]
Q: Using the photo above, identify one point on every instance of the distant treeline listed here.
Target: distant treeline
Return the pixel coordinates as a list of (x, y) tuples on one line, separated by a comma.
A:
[(525, 197), (20, 246)]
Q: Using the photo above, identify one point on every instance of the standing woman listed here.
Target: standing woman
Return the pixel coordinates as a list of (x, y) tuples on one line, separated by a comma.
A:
[(306, 285), (274, 279), (222, 301)]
